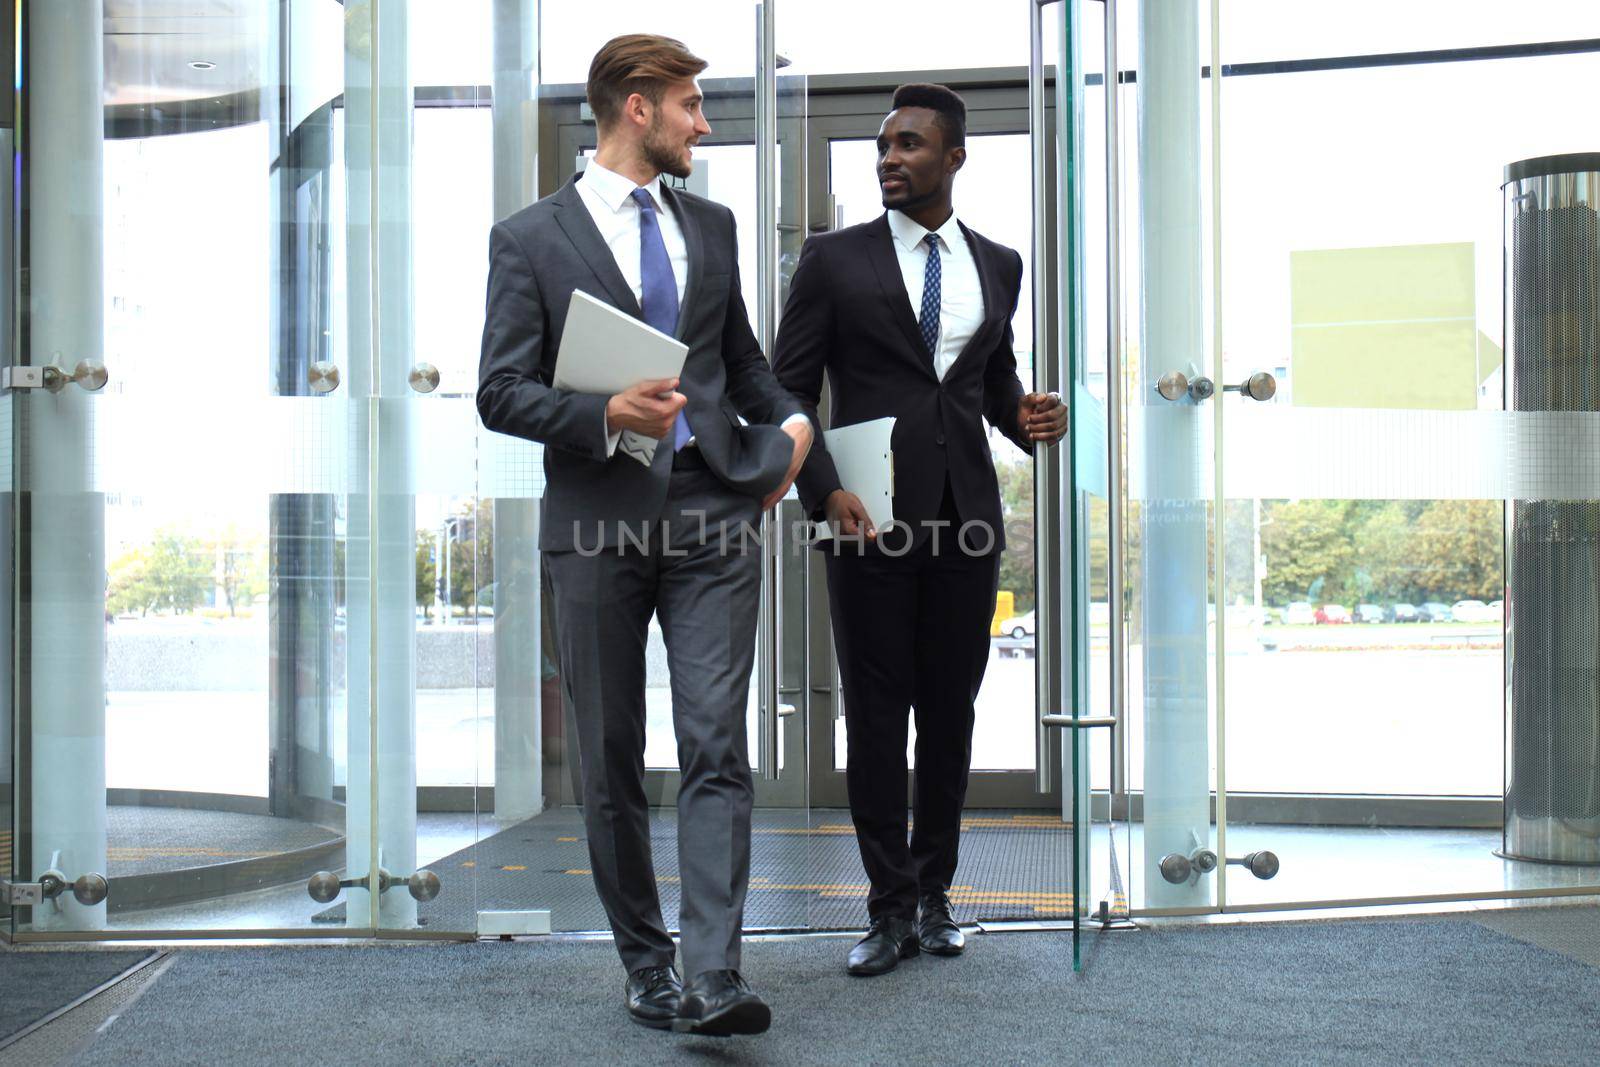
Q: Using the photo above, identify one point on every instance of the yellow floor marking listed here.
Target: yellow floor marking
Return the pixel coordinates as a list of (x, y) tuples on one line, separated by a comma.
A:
[(514, 867), (566, 839), (1013, 822), (1042, 902), (469, 863)]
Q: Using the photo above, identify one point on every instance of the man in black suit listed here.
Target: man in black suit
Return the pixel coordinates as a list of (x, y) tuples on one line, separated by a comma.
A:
[(910, 315), (628, 532)]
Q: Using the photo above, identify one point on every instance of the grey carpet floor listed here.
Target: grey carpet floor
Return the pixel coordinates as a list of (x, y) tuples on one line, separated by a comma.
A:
[(1397, 992), (35, 983)]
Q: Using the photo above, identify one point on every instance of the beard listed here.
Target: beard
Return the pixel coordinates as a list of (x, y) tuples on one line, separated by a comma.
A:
[(663, 155), (909, 199)]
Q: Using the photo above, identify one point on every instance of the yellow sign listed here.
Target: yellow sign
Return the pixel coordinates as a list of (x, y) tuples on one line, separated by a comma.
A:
[(1391, 327)]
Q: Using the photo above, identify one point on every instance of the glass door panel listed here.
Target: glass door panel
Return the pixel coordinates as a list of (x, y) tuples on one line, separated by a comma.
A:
[(183, 478), (1163, 125), (1366, 526), (1004, 739), (1016, 855)]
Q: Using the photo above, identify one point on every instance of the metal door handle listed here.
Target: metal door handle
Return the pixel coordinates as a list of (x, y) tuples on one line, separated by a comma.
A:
[(424, 378), (323, 376), (1175, 385), (324, 886), (1178, 868), (89, 374), (1259, 386), (87, 889), (1262, 864)]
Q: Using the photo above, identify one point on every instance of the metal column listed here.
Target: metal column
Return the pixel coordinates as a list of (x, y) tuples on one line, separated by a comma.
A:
[(1552, 618)]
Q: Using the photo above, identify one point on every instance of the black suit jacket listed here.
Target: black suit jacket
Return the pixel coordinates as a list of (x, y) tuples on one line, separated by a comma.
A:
[(537, 258), (848, 313)]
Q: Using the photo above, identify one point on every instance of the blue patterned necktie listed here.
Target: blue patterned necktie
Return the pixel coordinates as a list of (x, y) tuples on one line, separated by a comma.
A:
[(658, 289), (928, 320)]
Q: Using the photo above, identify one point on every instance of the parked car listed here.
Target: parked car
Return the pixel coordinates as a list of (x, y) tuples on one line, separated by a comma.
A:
[(1299, 613), (1433, 611), (1018, 627), (1335, 614), (1498, 609), (1471, 611), (1370, 613), (1404, 613)]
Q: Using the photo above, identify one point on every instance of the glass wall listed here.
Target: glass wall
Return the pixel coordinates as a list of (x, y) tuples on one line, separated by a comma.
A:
[(281, 634), (1362, 257)]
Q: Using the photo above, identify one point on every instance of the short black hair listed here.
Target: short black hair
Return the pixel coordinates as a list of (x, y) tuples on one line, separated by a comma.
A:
[(950, 108)]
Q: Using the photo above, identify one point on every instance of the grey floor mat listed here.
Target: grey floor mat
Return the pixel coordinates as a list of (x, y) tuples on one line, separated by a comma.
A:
[(1351, 992), (147, 840), (1572, 930), (805, 872), (37, 982)]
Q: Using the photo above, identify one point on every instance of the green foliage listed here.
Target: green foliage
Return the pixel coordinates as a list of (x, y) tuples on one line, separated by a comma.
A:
[(175, 572), (128, 587), (1376, 551), (1016, 501), (471, 537), (241, 566), (427, 569)]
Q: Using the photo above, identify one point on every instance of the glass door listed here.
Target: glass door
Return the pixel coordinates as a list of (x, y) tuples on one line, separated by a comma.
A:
[(1407, 361), (1016, 863), (182, 474)]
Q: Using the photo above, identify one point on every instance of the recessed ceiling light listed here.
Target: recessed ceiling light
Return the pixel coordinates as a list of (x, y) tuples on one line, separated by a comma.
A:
[(202, 64)]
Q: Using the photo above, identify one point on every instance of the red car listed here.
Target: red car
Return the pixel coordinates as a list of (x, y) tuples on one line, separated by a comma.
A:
[(1335, 614)]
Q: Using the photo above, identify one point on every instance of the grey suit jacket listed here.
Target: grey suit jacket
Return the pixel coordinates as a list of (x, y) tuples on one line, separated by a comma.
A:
[(537, 258)]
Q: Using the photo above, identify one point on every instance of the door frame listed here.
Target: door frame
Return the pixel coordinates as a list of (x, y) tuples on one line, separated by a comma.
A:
[(843, 108)]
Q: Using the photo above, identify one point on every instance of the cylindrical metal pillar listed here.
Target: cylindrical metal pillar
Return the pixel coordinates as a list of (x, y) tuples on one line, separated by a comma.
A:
[(1552, 617)]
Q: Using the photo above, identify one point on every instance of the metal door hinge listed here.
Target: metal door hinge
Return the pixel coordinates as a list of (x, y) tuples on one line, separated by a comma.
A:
[(21, 894)]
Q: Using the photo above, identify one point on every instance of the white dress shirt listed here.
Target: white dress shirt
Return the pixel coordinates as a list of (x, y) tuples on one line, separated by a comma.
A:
[(960, 292), (609, 198)]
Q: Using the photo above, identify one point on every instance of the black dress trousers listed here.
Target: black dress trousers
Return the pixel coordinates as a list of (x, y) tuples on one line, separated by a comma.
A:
[(911, 632)]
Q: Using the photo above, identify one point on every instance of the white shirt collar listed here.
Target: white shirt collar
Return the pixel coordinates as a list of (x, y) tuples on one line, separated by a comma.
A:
[(612, 188), (910, 233)]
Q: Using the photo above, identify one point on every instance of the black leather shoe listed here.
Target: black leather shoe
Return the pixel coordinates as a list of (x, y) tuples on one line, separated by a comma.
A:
[(889, 940), (652, 994), (721, 1004), (937, 933)]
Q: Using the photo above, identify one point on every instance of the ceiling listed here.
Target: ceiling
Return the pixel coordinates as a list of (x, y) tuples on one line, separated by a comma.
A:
[(150, 44)]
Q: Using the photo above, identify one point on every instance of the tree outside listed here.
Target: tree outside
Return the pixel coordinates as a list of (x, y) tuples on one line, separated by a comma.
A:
[(175, 573)]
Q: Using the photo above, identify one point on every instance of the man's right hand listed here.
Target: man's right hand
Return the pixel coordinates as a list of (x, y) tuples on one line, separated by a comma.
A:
[(649, 408), (848, 515)]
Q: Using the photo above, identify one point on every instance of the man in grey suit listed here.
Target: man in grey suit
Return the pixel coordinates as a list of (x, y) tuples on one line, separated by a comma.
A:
[(627, 534)]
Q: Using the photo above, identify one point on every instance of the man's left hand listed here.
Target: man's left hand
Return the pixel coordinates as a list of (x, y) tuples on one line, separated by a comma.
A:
[(1042, 418), (800, 432)]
